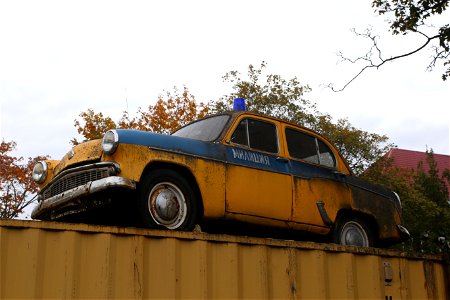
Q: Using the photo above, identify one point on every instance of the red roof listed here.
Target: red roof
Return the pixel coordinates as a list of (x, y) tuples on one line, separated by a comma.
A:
[(410, 160)]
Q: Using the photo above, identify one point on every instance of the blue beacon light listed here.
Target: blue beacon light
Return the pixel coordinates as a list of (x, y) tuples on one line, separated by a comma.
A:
[(239, 104)]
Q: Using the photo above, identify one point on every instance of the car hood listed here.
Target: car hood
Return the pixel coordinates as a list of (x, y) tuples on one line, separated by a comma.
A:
[(172, 143), (86, 152)]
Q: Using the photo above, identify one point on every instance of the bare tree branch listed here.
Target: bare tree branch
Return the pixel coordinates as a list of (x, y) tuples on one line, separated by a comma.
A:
[(381, 61)]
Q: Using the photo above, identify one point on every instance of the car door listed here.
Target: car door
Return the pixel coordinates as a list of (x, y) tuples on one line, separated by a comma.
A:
[(258, 182), (319, 189)]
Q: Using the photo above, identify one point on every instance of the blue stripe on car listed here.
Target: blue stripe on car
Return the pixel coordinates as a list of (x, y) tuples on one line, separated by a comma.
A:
[(226, 154), (207, 150)]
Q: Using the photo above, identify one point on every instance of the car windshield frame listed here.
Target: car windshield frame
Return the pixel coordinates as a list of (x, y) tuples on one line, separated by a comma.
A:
[(215, 125)]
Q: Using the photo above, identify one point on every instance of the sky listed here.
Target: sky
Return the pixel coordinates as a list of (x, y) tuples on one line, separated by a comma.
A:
[(59, 58)]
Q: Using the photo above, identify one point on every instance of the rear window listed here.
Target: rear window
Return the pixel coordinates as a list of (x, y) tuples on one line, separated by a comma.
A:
[(309, 148)]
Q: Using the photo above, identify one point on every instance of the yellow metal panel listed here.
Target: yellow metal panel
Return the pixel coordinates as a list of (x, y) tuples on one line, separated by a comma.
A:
[(191, 269), (57, 260), (307, 192), (312, 275), (224, 282), (87, 151), (259, 193), (368, 276), (161, 284), (341, 267), (210, 176), (15, 271)]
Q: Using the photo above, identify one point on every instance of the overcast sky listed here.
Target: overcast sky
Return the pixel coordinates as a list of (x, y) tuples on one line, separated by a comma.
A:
[(59, 58)]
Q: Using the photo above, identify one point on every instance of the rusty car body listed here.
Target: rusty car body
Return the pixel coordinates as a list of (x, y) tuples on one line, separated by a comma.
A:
[(239, 166)]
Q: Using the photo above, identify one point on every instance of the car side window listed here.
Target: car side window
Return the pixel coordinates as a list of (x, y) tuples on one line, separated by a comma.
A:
[(256, 134), (308, 148), (326, 156), (302, 146)]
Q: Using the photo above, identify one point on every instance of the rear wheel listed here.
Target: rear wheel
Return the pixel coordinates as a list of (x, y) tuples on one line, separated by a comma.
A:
[(352, 230), (166, 199)]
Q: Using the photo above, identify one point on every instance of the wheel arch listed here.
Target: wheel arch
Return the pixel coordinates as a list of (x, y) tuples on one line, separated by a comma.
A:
[(183, 171), (367, 218)]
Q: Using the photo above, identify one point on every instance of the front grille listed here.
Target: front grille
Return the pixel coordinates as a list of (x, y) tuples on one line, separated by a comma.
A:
[(74, 179)]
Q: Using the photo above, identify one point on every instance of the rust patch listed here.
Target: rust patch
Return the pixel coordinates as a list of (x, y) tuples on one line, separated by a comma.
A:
[(381, 208)]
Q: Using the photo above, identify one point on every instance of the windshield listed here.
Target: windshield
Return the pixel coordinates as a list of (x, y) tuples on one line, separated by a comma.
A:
[(206, 130)]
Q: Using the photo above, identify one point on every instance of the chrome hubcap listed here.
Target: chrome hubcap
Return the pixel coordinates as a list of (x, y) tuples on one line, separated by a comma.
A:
[(167, 205), (354, 234)]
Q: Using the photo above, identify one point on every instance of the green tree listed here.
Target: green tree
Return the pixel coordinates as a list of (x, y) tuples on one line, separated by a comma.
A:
[(424, 195), (284, 98), (431, 184), (433, 188), (271, 95)]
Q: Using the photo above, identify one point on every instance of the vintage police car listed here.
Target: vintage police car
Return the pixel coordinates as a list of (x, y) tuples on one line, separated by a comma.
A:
[(237, 166)]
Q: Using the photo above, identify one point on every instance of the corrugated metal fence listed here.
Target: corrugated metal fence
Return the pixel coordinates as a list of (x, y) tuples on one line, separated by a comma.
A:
[(57, 260)]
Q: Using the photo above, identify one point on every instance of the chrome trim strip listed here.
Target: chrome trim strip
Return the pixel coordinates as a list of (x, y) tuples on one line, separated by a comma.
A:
[(72, 195), (398, 198), (405, 235)]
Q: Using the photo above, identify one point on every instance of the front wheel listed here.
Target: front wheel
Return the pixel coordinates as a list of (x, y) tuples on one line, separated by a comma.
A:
[(353, 231), (167, 200)]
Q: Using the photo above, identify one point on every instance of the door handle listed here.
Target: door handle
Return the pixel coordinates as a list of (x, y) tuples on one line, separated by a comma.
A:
[(283, 159), (339, 175)]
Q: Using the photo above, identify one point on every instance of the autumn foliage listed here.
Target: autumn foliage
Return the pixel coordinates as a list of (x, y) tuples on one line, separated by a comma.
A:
[(170, 112), (94, 126), (16, 184)]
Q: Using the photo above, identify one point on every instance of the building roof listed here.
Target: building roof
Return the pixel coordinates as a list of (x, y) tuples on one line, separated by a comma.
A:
[(409, 159)]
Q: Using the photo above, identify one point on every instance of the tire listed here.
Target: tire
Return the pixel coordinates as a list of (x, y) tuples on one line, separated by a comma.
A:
[(167, 200), (352, 230)]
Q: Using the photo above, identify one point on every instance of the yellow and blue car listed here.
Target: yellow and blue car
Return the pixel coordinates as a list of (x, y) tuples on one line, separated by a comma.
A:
[(237, 166)]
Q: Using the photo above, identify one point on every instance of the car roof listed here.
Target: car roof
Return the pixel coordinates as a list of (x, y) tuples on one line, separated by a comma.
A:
[(235, 114)]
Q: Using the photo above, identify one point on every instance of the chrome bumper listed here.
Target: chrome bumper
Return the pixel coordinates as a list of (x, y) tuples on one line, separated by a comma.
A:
[(71, 196)]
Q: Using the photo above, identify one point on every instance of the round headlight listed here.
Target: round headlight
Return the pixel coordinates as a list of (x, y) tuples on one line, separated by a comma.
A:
[(40, 172), (110, 142)]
